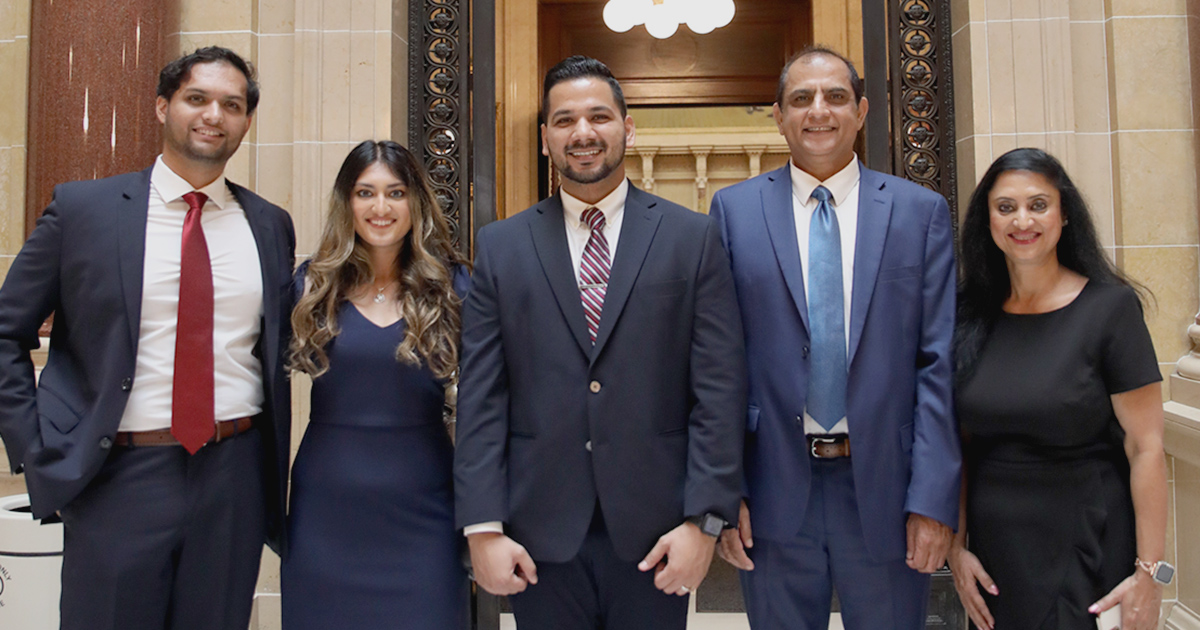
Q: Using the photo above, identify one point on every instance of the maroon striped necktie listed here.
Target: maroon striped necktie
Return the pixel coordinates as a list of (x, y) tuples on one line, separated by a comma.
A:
[(593, 270), (192, 395)]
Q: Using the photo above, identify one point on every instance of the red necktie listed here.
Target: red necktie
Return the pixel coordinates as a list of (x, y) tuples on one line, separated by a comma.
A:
[(192, 406), (593, 270)]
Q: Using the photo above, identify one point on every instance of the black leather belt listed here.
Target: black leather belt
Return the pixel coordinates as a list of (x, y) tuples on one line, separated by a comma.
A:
[(831, 446)]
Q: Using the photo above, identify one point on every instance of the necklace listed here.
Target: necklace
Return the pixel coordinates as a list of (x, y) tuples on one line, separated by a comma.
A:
[(379, 297)]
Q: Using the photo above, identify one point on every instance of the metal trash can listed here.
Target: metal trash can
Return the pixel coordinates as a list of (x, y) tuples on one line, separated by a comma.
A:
[(30, 567)]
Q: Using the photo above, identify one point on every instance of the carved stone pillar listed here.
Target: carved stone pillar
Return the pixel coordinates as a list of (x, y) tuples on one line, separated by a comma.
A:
[(701, 155), (1188, 365), (755, 156), (648, 169)]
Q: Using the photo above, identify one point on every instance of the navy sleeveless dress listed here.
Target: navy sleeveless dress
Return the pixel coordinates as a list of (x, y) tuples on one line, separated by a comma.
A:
[(371, 531)]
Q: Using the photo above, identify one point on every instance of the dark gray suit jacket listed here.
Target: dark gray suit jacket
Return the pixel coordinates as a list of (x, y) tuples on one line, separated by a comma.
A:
[(648, 421), (84, 263)]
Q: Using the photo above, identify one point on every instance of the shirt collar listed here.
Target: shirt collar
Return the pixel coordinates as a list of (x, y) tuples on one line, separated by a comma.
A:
[(172, 187), (611, 206), (840, 184)]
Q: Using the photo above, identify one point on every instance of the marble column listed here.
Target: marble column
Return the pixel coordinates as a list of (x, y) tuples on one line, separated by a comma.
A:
[(93, 71)]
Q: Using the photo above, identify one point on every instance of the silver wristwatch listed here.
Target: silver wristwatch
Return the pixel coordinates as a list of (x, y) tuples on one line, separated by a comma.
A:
[(1161, 571)]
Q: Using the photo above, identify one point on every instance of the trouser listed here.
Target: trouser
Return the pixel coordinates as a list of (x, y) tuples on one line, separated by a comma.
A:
[(161, 539)]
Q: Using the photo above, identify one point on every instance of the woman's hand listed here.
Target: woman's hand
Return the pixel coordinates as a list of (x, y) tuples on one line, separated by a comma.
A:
[(1140, 598), (968, 572)]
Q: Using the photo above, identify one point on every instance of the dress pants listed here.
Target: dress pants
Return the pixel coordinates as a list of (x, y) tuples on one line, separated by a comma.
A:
[(791, 584), (163, 540), (597, 590)]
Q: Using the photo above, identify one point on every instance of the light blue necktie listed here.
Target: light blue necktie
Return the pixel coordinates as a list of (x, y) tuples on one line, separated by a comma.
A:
[(826, 315)]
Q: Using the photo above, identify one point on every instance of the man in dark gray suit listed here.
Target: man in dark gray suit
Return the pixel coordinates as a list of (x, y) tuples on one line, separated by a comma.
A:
[(159, 426), (603, 386)]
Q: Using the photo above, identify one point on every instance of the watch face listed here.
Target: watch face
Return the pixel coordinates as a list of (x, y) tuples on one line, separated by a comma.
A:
[(1163, 573)]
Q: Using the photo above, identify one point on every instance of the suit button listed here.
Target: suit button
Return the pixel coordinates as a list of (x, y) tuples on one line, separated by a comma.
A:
[(800, 420), (594, 387), (106, 443), (804, 352), (588, 446), (127, 384)]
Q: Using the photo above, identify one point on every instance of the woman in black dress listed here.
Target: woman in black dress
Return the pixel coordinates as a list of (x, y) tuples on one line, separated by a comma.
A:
[(1060, 404), (371, 531)]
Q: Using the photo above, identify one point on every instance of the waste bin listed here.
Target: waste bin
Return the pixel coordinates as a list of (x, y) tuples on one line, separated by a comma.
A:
[(30, 567)]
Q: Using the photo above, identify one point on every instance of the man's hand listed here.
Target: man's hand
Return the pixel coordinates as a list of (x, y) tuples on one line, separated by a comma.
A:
[(735, 542), (928, 543), (680, 559), (501, 566)]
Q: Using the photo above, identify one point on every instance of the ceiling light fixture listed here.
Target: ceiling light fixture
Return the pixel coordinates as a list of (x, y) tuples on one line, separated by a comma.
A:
[(663, 17)]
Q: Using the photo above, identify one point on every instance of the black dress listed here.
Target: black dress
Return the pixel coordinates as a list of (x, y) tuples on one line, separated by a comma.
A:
[(1049, 511), (371, 531)]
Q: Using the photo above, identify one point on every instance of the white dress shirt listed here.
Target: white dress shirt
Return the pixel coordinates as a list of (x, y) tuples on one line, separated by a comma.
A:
[(578, 233), (843, 186), (237, 304)]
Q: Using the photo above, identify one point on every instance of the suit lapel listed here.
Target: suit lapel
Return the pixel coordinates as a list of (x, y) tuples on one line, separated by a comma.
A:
[(874, 215), (132, 209), (781, 226), (264, 238), (637, 231), (549, 234)]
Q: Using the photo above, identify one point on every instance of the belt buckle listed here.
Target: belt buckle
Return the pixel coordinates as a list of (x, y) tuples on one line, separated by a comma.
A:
[(814, 440)]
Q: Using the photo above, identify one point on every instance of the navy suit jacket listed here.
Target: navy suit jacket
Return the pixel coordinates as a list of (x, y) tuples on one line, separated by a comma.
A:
[(905, 446), (648, 421), (84, 263)]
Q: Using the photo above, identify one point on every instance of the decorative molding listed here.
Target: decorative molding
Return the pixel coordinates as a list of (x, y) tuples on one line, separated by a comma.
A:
[(1182, 618), (439, 104), (923, 97), (1181, 421)]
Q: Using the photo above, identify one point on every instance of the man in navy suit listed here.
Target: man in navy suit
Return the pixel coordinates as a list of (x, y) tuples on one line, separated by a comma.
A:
[(602, 389), (159, 426), (845, 278)]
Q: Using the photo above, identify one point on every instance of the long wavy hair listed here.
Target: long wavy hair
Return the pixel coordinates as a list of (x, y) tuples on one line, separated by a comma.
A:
[(424, 268), (984, 284)]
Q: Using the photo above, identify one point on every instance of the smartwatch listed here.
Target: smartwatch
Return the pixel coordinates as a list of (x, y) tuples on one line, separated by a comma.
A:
[(1161, 572), (709, 523)]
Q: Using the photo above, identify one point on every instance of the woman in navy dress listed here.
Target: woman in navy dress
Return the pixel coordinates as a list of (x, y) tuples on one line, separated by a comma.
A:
[(1061, 411), (371, 531)]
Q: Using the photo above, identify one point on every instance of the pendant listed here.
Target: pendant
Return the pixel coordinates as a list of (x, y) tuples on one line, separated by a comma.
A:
[(379, 297)]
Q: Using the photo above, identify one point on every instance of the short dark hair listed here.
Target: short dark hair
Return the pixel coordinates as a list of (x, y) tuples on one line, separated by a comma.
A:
[(579, 66), (856, 82), (180, 70)]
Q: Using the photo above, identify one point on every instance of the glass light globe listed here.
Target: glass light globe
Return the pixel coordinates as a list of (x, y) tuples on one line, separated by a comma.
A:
[(723, 12), (637, 10), (617, 16), (660, 22), (701, 18)]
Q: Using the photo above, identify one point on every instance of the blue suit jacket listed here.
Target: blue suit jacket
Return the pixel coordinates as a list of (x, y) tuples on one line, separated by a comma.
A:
[(905, 447), (647, 421), (84, 263)]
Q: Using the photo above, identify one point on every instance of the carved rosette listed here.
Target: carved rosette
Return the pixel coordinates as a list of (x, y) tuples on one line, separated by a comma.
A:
[(923, 93), (439, 99)]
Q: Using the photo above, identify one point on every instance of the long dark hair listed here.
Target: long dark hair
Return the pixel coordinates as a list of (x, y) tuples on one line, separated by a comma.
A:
[(424, 266), (983, 281)]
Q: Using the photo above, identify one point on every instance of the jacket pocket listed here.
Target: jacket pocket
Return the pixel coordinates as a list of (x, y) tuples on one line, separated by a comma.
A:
[(752, 419), (53, 409), (665, 289), (899, 273)]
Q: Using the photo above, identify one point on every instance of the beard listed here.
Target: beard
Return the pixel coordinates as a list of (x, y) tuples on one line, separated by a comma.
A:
[(597, 173)]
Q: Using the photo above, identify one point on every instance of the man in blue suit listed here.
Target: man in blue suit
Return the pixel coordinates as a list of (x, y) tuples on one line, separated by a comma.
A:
[(159, 426), (845, 279), (603, 383)]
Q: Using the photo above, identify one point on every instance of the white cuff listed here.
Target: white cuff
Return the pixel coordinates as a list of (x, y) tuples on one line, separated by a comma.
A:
[(490, 527)]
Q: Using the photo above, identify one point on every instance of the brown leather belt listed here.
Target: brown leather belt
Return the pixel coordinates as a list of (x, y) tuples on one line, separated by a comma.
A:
[(830, 446), (225, 429)]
